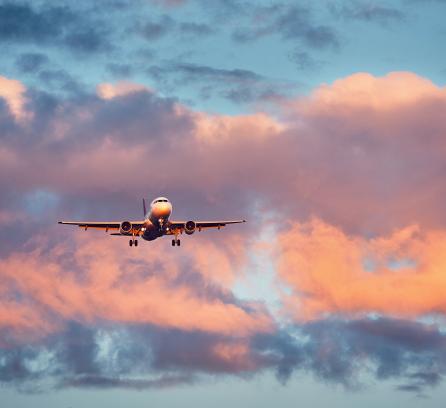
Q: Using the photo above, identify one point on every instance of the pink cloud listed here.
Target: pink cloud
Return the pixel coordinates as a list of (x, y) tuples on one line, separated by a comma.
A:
[(395, 90), (352, 153), (122, 88), (94, 281), (364, 156), (13, 92), (331, 272)]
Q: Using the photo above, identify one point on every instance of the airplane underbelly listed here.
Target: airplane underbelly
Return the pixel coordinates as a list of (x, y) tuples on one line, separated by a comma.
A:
[(152, 232)]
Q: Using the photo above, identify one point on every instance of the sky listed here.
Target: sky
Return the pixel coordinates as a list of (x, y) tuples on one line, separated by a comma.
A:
[(321, 123)]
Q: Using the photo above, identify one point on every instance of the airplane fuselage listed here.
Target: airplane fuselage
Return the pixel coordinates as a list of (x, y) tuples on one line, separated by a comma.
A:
[(156, 221)]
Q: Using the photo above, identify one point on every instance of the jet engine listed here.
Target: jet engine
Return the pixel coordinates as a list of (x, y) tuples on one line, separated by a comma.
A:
[(189, 227), (125, 228)]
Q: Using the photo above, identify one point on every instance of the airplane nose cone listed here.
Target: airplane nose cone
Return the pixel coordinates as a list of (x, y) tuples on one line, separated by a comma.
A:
[(162, 210)]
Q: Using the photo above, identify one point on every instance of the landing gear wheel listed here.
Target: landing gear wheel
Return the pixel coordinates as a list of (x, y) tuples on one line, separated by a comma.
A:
[(131, 242), (178, 242), (173, 242), (136, 242)]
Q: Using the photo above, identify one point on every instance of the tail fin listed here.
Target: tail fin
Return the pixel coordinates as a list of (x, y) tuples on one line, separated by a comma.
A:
[(144, 206)]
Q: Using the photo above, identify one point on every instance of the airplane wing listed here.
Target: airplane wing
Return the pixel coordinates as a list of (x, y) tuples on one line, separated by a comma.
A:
[(107, 225), (199, 225)]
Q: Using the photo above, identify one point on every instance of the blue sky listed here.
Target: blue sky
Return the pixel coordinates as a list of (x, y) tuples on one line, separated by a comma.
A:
[(180, 50)]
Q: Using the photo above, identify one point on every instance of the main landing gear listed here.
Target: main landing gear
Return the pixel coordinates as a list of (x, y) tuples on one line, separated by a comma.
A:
[(133, 242), (176, 242)]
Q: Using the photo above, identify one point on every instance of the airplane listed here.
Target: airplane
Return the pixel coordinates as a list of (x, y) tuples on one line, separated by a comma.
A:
[(156, 224)]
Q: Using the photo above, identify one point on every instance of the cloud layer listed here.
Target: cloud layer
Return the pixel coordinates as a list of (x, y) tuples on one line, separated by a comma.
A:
[(345, 182)]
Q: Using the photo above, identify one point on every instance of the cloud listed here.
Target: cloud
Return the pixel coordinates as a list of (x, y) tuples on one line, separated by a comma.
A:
[(170, 294), (196, 29), (368, 11), (347, 181), (394, 347), (20, 22), (348, 154), (120, 70), (331, 272), (169, 3), (142, 356), (110, 91), (163, 25), (291, 23), (153, 30), (51, 25), (13, 92), (304, 61), (102, 382), (238, 85), (31, 62)]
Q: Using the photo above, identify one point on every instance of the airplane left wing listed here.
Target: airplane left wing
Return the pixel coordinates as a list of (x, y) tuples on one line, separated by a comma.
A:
[(107, 225)]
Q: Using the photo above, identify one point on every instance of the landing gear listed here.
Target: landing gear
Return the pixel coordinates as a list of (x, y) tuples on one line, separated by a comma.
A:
[(176, 242), (133, 242)]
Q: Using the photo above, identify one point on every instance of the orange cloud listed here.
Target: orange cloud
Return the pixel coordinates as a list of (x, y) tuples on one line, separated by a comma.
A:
[(121, 88), (13, 92), (331, 272), (363, 90), (95, 281)]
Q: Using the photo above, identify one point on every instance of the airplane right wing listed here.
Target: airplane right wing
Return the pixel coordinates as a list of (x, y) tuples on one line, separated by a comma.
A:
[(199, 225)]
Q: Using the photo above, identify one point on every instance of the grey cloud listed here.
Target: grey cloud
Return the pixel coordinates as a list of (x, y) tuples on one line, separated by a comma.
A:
[(51, 25), (59, 79), (20, 22), (304, 61), (87, 39), (120, 70), (153, 30), (198, 29), (396, 347), (31, 62), (151, 357), (419, 381), (197, 71), (338, 350), (238, 85), (157, 28), (103, 382), (169, 3), (291, 23), (367, 11)]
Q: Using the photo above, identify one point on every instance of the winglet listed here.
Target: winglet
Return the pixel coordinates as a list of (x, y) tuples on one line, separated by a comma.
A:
[(144, 207)]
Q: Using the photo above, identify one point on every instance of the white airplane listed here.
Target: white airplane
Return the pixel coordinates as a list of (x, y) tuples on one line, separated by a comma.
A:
[(156, 223)]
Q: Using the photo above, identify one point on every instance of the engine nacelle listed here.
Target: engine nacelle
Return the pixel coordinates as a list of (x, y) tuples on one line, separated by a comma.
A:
[(125, 228), (189, 227)]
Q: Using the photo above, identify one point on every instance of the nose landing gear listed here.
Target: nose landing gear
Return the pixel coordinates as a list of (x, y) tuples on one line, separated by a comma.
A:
[(133, 242), (176, 242)]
